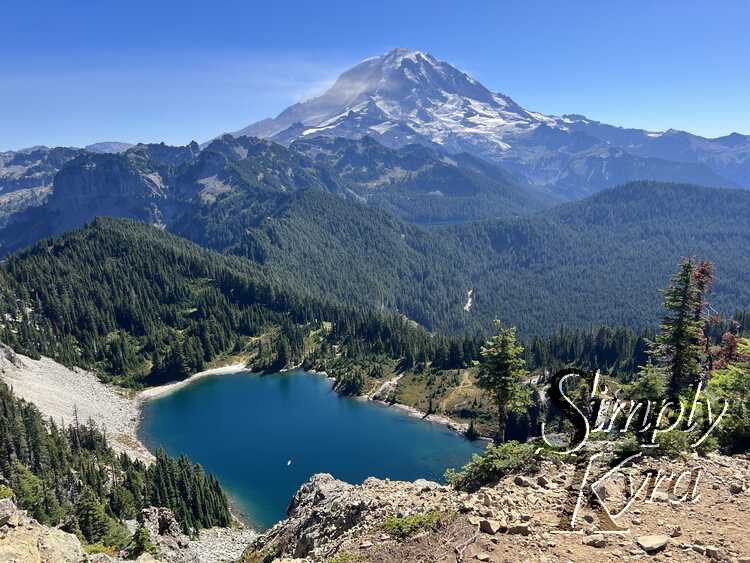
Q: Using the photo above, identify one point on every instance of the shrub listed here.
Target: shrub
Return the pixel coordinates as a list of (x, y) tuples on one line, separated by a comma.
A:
[(6, 492), (140, 544), (671, 444), (403, 527), (496, 463)]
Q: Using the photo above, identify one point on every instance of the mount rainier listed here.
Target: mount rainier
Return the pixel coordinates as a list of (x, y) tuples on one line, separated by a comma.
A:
[(406, 97)]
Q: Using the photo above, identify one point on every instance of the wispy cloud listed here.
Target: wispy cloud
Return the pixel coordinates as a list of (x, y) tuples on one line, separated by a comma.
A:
[(173, 97)]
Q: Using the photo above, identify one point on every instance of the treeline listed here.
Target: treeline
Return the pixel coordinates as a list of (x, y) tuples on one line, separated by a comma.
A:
[(601, 260), (70, 477), (146, 307)]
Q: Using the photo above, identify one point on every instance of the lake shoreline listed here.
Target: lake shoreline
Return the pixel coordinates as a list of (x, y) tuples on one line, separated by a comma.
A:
[(182, 423), (151, 393), (443, 420)]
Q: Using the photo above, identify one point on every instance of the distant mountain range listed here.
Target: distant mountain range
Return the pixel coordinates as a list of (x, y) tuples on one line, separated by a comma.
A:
[(600, 260), (332, 200), (406, 97), (48, 191)]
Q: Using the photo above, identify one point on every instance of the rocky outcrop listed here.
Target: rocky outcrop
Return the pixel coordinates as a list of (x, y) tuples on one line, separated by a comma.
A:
[(217, 545), (8, 358), (166, 534), (23, 539), (322, 510), (327, 512), (516, 519)]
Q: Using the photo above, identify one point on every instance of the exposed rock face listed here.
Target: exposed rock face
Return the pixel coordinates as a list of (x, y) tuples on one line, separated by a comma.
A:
[(8, 358), (165, 533), (321, 511), (32, 168), (23, 539), (217, 545), (515, 522), (326, 512)]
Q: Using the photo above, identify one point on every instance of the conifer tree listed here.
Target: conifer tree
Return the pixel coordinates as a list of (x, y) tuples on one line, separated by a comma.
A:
[(679, 348), (500, 374), (92, 520)]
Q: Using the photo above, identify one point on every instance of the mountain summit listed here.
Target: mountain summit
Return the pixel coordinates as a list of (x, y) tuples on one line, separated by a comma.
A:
[(405, 97), (401, 97)]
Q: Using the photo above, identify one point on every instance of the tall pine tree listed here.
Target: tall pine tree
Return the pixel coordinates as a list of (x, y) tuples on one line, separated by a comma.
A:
[(679, 349), (500, 375)]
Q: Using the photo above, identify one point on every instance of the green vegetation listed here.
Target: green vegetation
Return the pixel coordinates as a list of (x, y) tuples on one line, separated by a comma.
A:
[(500, 375), (145, 307), (731, 382), (404, 527), (599, 261), (680, 346), (140, 544), (69, 477), (497, 462)]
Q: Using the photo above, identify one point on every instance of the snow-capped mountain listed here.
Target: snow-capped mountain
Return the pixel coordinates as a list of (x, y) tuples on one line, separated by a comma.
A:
[(407, 96)]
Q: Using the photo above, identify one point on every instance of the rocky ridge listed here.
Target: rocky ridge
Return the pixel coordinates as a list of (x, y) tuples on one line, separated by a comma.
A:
[(23, 539), (522, 517)]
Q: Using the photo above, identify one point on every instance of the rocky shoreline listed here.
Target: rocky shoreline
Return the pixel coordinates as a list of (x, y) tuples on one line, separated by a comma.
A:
[(62, 394), (454, 425)]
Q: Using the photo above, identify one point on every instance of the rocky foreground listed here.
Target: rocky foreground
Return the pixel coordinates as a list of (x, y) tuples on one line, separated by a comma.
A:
[(523, 517), (24, 540)]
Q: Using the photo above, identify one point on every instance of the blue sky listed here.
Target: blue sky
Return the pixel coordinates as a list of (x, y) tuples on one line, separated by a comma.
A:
[(80, 71)]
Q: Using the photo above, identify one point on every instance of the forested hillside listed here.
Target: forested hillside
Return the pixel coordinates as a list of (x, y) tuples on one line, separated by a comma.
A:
[(598, 261), (603, 259), (423, 185), (144, 307), (70, 477)]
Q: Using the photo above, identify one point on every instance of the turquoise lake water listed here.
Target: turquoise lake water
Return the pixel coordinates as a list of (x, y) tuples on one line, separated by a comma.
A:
[(245, 428)]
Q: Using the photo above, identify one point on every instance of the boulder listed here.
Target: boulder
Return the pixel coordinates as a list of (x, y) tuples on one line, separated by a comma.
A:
[(7, 511), (715, 553), (652, 543), (596, 540), (519, 529), (423, 485), (602, 491), (521, 481), (33, 542), (490, 526)]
